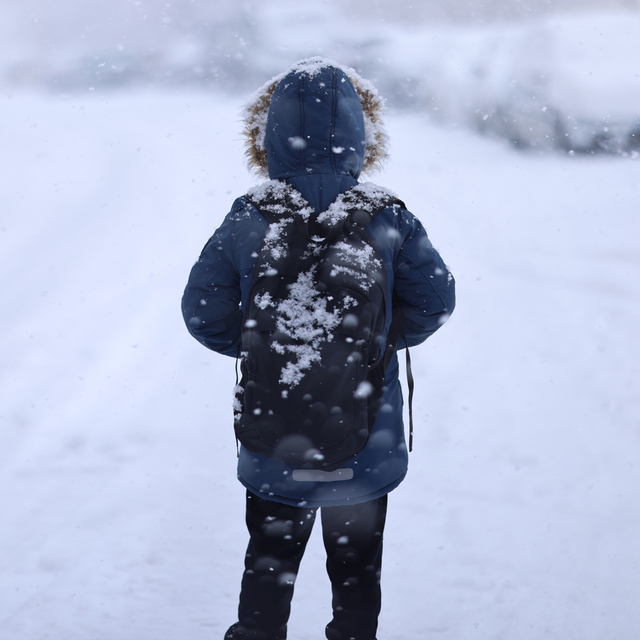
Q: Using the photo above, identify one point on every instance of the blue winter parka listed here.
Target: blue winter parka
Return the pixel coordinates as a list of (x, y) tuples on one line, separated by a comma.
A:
[(315, 136)]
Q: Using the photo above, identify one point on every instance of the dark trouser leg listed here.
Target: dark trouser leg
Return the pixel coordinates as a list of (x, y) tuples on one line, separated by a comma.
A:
[(278, 537), (353, 540)]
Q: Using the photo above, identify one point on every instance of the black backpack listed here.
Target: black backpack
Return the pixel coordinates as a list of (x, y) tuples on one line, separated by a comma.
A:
[(311, 357)]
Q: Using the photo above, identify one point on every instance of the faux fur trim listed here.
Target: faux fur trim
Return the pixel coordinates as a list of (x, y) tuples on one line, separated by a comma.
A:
[(256, 110)]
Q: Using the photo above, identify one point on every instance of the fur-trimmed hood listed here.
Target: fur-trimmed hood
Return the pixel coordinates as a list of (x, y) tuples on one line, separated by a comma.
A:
[(316, 118)]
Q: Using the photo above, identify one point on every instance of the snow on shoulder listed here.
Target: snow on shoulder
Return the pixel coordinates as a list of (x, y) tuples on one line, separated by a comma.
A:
[(366, 196)]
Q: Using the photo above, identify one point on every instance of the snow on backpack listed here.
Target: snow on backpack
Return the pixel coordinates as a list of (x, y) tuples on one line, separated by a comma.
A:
[(311, 357)]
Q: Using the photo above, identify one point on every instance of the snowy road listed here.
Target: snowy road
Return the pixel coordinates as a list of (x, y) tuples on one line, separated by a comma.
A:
[(122, 518)]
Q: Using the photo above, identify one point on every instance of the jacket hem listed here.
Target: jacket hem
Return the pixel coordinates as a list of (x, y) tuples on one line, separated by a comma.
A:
[(310, 502)]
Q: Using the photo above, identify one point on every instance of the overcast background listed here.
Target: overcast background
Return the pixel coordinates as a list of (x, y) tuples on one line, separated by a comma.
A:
[(514, 138), (561, 75), (74, 43)]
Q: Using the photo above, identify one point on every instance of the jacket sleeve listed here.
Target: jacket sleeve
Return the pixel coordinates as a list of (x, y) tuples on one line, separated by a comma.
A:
[(211, 301), (423, 285)]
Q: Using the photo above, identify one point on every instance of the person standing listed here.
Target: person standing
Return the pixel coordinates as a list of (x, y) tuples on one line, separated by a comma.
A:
[(311, 131)]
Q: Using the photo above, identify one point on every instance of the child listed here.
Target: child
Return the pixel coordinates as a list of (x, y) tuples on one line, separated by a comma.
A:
[(311, 131)]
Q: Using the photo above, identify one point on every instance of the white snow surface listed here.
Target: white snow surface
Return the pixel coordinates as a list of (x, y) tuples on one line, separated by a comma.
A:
[(121, 515)]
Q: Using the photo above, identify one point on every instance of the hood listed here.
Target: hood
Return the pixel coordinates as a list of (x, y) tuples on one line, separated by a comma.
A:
[(316, 118)]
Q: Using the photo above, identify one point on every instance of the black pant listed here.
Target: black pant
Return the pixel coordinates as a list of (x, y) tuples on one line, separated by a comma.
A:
[(279, 534)]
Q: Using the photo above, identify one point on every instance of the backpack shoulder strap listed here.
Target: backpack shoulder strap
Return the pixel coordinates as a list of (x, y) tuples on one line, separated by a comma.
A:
[(395, 330), (363, 202), (276, 198)]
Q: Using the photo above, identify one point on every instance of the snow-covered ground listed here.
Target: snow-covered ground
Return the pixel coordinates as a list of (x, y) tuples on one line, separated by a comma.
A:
[(121, 515)]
